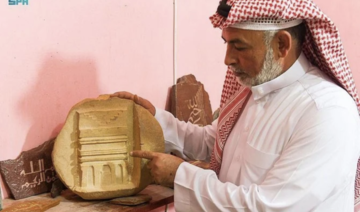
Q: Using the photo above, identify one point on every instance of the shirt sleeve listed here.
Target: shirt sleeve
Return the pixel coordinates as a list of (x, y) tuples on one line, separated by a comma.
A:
[(320, 156), (186, 140)]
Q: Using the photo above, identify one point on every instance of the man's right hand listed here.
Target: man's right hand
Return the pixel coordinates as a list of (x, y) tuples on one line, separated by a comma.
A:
[(137, 99)]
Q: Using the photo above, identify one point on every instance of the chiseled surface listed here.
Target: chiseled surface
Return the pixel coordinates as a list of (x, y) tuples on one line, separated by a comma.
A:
[(91, 153)]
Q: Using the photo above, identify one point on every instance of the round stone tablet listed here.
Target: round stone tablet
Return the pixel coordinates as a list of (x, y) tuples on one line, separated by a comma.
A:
[(92, 152)]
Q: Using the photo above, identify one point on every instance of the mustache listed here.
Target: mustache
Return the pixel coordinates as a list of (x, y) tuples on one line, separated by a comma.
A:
[(236, 70)]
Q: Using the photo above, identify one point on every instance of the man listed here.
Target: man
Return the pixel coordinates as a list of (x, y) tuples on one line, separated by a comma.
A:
[(287, 138)]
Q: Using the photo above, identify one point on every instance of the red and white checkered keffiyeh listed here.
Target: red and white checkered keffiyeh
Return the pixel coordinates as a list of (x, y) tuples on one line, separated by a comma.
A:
[(322, 47)]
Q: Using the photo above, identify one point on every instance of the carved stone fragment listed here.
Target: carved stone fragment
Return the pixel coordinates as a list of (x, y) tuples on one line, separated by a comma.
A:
[(57, 188), (31, 173), (190, 102), (33, 206), (132, 200), (92, 152)]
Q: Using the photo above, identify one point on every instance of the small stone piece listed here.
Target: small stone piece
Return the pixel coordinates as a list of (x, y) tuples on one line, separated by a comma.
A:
[(190, 102), (31, 173), (132, 200), (57, 188), (33, 206)]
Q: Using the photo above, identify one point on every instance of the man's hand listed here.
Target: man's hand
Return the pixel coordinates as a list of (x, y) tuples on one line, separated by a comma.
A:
[(137, 99), (200, 164), (163, 167)]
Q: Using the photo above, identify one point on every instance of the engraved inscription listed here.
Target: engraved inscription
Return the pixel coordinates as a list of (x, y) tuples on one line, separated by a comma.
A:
[(40, 176), (195, 111), (190, 102)]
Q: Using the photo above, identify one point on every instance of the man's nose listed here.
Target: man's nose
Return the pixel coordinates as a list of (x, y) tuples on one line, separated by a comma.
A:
[(230, 57)]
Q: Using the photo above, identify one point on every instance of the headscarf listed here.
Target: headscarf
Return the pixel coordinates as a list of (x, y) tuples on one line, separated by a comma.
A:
[(322, 47)]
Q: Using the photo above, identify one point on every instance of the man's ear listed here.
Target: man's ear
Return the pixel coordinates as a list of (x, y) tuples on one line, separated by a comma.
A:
[(283, 43)]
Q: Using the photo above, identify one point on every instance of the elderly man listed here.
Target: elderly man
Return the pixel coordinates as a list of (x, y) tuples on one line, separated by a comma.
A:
[(287, 138)]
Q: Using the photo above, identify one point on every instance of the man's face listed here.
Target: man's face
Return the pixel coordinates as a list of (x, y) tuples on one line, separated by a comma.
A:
[(250, 59)]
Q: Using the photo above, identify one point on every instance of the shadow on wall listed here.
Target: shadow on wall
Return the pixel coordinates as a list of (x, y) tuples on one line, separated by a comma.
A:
[(60, 84)]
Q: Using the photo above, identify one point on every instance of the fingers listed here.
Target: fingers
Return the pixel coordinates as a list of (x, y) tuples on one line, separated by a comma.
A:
[(127, 95), (137, 99), (123, 94), (143, 154)]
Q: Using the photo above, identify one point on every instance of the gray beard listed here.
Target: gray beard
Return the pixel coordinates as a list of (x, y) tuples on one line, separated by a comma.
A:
[(270, 70)]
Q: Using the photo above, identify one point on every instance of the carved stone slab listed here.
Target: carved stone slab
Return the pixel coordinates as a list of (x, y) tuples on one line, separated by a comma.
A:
[(131, 201), (92, 152), (33, 206), (31, 173), (190, 102)]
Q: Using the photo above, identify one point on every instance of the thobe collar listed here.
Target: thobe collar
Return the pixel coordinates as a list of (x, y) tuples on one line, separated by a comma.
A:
[(294, 73)]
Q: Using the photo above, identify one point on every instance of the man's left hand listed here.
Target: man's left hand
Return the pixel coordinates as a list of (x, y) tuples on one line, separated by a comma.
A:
[(163, 167)]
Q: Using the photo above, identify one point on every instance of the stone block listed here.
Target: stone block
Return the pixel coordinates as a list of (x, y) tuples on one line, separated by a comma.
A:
[(190, 102), (92, 152), (31, 173)]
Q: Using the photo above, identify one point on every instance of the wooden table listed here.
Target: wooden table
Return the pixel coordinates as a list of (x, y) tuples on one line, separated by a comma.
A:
[(70, 202)]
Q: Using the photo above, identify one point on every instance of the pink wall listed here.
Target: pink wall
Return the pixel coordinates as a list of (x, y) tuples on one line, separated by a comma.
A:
[(345, 15), (200, 49), (55, 53)]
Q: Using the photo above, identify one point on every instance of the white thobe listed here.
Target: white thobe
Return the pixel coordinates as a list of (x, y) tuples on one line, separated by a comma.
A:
[(295, 148)]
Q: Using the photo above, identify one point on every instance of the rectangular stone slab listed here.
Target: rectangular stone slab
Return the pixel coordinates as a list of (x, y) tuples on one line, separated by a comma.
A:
[(31, 173), (190, 102)]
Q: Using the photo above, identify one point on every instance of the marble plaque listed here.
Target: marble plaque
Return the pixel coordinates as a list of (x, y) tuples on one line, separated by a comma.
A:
[(190, 102), (31, 173), (91, 153)]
